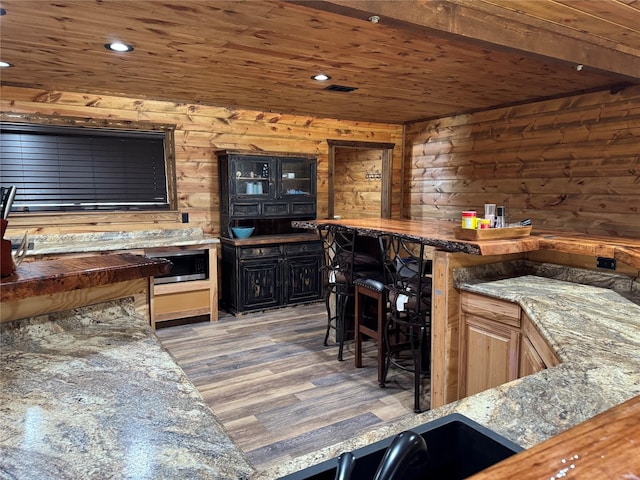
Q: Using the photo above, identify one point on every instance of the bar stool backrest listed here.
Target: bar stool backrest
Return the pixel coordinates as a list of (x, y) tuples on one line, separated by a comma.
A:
[(338, 243), (406, 276)]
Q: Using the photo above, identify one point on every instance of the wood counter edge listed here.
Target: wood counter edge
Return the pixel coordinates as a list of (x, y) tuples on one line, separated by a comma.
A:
[(626, 250), (49, 277), (605, 446)]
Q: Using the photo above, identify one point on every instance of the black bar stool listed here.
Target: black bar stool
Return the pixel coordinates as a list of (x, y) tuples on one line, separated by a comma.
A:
[(342, 265), (373, 289), (408, 328)]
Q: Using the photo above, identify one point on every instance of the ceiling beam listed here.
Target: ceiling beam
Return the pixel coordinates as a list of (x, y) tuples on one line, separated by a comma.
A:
[(479, 21)]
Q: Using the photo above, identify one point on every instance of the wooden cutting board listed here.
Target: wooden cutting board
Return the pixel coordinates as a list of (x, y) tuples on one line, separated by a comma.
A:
[(491, 233)]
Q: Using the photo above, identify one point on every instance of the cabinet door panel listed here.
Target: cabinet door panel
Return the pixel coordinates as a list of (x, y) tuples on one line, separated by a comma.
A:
[(298, 177), (260, 284), (538, 343), (530, 361), (489, 355), (251, 175), (304, 279)]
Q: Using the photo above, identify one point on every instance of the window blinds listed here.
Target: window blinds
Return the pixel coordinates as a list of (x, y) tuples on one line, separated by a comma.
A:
[(77, 169)]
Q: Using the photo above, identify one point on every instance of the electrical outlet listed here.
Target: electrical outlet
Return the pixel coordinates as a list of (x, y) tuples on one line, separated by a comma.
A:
[(185, 217), (604, 262)]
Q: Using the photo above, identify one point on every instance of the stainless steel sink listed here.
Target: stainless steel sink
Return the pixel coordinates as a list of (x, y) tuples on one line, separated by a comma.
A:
[(458, 448)]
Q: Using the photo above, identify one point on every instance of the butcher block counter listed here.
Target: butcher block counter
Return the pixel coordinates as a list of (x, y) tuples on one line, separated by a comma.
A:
[(45, 286), (167, 301)]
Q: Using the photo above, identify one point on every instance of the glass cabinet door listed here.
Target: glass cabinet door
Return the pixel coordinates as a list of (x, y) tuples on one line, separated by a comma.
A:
[(297, 177), (252, 176)]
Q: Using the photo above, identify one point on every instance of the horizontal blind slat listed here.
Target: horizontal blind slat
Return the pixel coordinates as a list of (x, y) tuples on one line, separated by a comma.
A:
[(59, 168)]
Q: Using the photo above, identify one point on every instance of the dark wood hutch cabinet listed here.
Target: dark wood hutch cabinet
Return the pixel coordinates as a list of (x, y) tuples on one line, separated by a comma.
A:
[(278, 265)]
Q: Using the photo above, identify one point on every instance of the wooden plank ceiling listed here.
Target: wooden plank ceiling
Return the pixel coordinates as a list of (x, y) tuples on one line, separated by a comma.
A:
[(423, 59)]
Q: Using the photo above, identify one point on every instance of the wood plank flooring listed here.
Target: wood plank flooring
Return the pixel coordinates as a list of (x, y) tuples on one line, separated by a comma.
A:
[(277, 390)]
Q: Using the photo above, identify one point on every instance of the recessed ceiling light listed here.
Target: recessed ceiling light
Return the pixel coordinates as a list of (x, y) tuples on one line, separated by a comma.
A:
[(374, 18), (321, 77), (579, 67), (5, 65), (118, 47)]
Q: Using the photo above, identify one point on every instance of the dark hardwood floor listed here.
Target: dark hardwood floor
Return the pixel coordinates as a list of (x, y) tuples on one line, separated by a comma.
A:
[(277, 390)]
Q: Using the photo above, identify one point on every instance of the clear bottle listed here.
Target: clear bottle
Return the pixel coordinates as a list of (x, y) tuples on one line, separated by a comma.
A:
[(500, 217)]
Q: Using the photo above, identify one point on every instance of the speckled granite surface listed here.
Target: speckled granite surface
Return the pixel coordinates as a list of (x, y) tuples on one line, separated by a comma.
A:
[(110, 241), (596, 333), (91, 394)]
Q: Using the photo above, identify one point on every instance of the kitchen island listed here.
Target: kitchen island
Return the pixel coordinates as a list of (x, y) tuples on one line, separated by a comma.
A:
[(167, 301), (591, 320), (451, 253), (89, 392), (595, 332)]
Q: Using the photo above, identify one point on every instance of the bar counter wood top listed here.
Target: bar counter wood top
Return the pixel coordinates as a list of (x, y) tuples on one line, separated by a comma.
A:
[(440, 234), (51, 285), (55, 276), (605, 446)]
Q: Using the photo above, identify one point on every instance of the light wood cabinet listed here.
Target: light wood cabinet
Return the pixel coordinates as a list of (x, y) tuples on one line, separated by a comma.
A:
[(498, 343), (171, 301), (535, 353), (489, 343)]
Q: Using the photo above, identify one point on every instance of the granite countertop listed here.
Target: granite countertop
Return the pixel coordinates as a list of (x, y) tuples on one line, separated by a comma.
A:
[(90, 393), (594, 331), (114, 241)]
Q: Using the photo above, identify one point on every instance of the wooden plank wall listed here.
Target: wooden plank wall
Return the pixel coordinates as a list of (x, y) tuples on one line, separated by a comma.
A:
[(568, 164), (199, 131), (358, 183)]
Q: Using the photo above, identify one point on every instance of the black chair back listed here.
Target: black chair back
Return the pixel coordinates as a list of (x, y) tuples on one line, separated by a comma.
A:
[(406, 277), (338, 244)]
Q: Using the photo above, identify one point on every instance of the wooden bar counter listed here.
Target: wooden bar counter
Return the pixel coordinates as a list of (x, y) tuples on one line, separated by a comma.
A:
[(440, 234), (45, 286), (450, 253)]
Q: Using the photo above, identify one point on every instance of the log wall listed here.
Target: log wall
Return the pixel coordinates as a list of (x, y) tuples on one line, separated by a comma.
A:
[(358, 183), (568, 164), (200, 130)]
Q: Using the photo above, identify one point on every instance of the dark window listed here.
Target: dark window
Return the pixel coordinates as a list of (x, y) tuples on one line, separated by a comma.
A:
[(81, 169)]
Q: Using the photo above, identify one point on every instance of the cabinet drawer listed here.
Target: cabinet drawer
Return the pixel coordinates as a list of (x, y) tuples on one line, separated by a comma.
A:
[(244, 209), (491, 308), (276, 209), (182, 302), (301, 248), (307, 208), (266, 251)]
